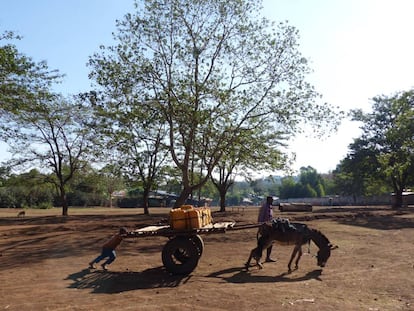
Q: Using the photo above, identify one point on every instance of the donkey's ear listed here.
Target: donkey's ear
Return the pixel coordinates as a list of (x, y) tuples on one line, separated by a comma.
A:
[(334, 247)]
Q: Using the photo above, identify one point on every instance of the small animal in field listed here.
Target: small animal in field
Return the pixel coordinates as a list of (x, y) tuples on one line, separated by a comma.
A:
[(21, 214), (286, 233)]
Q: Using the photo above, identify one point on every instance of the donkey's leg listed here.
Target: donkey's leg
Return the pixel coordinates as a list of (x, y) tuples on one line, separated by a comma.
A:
[(294, 252), (299, 255), (256, 253), (247, 264)]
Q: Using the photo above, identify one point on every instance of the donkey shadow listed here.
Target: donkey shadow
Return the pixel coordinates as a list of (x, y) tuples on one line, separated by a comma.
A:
[(110, 282), (239, 276)]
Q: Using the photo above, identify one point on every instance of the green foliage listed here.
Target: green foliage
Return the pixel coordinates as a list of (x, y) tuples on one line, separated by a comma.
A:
[(26, 190), (88, 188), (49, 133), (42, 128), (234, 199), (22, 80), (289, 188), (320, 190), (310, 184), (8, 199), (313, 181), (33, 189), (311, 192), (359, 174), (203, 80), (384, 154), (45, 205), (91, 187)]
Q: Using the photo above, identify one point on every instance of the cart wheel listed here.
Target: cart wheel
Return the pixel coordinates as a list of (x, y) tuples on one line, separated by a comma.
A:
[(180, 255), (198, 241)]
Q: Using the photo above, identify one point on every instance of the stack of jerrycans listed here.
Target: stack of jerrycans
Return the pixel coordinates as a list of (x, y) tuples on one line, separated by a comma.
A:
[(188, 217)]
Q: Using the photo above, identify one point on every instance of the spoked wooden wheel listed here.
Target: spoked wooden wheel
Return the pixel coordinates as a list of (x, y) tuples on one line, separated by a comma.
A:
[(180, 255)]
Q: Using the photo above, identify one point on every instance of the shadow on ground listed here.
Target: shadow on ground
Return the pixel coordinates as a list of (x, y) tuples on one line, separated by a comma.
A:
[(33, 240), (239, 275), (394, 221), (109, 282), (380, 218)]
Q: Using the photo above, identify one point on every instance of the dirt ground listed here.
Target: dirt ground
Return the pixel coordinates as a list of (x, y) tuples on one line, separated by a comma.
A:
[(44, 264)]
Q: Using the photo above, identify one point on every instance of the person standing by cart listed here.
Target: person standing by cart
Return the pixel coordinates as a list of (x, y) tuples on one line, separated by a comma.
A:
[(266, 215), (108, 250)]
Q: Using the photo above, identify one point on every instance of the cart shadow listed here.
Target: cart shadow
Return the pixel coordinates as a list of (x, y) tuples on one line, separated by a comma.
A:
[(240, 275), (110, 282)]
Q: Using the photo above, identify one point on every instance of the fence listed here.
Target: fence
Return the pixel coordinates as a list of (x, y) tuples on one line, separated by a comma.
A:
[(343, 200)]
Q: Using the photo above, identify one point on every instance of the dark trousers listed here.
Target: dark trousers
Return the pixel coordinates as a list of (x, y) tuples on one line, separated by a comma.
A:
[(106, 252)]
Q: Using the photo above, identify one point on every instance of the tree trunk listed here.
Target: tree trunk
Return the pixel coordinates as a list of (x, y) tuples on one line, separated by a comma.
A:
[(110, 200), (398, 199), (183, 197), (145, 201), (64, 201), (222, 200), (398, 185)]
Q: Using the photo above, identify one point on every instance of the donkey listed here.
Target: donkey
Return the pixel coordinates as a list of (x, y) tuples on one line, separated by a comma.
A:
[(294, 233)]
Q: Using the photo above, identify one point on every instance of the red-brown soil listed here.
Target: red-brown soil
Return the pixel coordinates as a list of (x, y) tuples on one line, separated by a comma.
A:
[(44, 264)]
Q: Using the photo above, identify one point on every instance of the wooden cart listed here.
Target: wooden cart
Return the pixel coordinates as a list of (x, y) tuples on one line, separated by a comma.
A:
[(183, 250)]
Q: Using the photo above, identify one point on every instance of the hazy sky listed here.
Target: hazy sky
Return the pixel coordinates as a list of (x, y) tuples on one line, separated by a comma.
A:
[(358, 49)]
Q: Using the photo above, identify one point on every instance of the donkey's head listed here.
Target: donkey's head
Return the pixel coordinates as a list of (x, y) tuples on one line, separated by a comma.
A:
[(324, 253)]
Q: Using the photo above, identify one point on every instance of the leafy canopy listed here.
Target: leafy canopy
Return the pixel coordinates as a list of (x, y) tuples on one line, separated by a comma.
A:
[(213, 73)]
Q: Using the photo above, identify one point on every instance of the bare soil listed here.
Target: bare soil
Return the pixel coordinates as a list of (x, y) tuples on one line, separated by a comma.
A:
[(44, 264)]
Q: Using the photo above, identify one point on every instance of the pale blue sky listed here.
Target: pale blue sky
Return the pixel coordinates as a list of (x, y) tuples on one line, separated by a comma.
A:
[(357, 48)]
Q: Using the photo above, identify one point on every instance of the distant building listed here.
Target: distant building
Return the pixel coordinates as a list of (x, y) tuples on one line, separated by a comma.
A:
[(407, 198)]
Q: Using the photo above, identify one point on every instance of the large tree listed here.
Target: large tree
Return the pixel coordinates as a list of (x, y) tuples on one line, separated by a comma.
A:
[(132, 131), (253, 152), (358, 174), (41, 127), (143, 155), (112, 179), (213, 70), (310, 179), (50, 132), (310, 184), (388, 137)]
